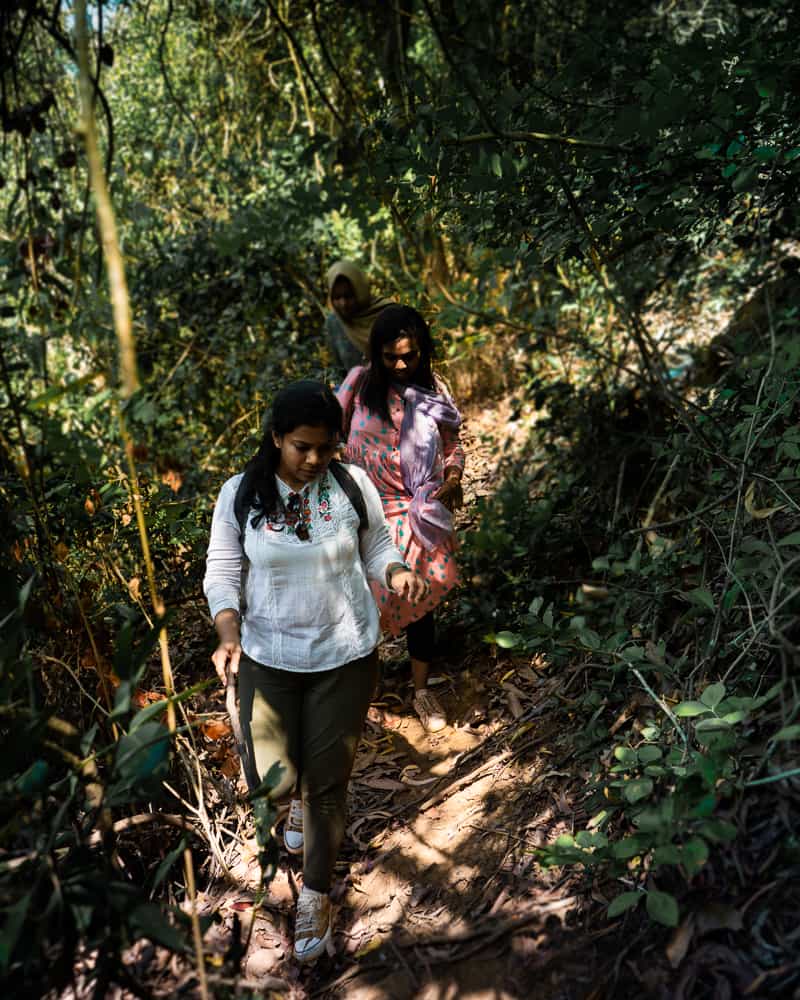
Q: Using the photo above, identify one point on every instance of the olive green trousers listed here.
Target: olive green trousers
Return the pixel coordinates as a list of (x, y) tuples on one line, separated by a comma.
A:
[(309, 723)]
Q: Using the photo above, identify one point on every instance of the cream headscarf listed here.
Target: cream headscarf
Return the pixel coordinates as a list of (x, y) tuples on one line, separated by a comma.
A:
[(359, 326)]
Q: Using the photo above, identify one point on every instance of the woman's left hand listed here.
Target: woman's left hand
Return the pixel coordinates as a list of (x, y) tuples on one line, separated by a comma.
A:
[(450, 493), (409, 585)]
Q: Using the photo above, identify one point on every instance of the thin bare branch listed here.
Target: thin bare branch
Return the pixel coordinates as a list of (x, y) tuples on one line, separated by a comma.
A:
[(537, 137)]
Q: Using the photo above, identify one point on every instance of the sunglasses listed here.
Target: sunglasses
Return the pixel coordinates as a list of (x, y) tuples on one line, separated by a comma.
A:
[(294, 509)]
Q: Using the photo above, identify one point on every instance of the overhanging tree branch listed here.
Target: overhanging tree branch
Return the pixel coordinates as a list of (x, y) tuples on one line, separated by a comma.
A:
[(651, 357), (304, 62), (494, 131), (327, 56), (168, 82), (484, 111)]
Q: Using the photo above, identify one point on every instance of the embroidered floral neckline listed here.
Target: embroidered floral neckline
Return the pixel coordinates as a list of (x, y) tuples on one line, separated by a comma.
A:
[(297, 517)]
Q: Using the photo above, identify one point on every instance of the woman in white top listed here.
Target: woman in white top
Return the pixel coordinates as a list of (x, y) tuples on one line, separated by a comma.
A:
[(305, 647)]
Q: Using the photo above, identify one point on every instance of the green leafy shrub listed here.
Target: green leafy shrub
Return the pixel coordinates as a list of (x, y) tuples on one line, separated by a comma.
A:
[(63, 892), (690, 618)]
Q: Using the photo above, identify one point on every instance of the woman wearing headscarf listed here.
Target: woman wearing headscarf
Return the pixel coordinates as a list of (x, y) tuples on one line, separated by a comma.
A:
[(401, 427), (354, 310)]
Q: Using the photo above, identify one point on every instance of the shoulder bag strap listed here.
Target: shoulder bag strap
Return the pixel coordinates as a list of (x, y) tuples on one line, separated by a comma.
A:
[(352, 492)]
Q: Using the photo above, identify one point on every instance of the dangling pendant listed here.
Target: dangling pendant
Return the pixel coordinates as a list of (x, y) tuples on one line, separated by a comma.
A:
[(301, 530)]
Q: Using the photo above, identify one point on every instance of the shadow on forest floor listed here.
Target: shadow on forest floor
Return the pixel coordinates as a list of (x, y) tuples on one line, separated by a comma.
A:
[(439, 893)]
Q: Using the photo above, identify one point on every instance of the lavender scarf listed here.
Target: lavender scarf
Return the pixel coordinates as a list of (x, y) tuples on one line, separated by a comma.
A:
[(425, 411)]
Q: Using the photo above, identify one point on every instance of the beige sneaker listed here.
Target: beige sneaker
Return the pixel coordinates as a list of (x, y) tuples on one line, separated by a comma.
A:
[(430, 712), (293, 828), (312, 925)]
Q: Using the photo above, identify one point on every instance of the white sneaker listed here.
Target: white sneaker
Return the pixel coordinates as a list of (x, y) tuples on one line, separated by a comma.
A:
[(430, 712), (293, 828), (312, 924)]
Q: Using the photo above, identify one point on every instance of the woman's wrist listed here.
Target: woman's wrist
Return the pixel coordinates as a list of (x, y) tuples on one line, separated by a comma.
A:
[(226, 623)]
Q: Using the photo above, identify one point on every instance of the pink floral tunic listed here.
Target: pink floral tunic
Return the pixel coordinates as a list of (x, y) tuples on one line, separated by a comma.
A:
[(375, 446)]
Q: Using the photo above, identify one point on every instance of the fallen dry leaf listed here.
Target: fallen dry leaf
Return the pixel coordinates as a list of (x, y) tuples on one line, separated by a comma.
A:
[(509, 686), (514, 705), (242, 905), (717, 917), (416, 782), (363, 762), (383, 717), (374, 943), (382, 784), (680, 941), (215, 729), (261, 961), (230, 766), (141, 698)]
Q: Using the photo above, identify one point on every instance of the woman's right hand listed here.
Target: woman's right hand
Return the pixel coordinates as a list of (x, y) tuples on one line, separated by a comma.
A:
[(226, 657), (227, 654), (408, 585)]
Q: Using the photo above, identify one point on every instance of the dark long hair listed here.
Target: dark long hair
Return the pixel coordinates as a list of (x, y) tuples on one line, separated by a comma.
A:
[(306, 402), (392, 323)]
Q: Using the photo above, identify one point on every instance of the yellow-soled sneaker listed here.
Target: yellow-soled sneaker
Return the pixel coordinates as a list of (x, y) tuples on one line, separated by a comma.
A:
[(430, 712), (312, 924), (293, 828)]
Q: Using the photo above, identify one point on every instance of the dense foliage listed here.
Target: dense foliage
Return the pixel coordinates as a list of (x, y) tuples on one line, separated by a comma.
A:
[(548, 183), (686, 616)]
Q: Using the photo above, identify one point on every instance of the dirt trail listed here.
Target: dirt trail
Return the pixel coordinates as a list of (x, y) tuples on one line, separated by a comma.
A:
[(438, 893)]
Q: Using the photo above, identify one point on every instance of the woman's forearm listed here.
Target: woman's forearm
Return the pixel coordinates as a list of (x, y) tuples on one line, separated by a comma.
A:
[(226, 623)]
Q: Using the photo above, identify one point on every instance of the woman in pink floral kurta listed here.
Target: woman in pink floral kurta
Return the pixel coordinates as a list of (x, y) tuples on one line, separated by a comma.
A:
[(403, 431)]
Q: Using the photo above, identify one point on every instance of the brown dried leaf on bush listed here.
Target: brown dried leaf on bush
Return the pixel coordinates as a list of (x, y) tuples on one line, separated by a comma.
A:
[(173, 479)]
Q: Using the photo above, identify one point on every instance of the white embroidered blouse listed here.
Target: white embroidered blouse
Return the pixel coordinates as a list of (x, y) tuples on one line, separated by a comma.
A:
[(309, 605)]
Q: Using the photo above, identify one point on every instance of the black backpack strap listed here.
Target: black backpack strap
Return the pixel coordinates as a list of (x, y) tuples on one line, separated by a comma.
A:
[(352, 492), (241, 508)]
